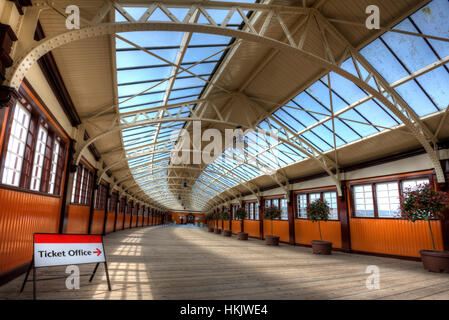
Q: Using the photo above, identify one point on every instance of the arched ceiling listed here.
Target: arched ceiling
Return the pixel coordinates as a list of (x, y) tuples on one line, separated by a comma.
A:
[(144, 87)]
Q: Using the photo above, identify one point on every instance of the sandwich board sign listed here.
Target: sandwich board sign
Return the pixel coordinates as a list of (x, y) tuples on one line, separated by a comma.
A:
[(51, 250)]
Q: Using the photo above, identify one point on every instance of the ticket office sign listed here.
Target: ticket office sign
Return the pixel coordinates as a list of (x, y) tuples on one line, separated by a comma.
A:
[(67, 249)]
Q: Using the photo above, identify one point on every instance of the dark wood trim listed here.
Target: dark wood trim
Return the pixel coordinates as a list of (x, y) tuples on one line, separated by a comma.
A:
[(42, 108), (20, 4), (445, 221), (106, 208), (68, 184), (291, 201), (261, 217), (92, 200), (13, 273), (7, 38), (343, 216)]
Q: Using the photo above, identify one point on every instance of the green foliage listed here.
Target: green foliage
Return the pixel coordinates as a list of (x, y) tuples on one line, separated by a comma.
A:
[(423, 203), (225, 215), (272, 213), (240, 214), (318, 211)]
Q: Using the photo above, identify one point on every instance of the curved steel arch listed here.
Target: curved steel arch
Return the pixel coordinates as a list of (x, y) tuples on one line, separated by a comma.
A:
[(16, 73)]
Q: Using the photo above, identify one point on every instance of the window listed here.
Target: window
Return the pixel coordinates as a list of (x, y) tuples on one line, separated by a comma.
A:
[(301, 203), (100, 199), (382, 199), (16, 146), (314, 196), (39, 154), (363, 201), (256, 211), (82, 186), (54, 166), (284, 209), (413, 184), (387, 196), (331, 199)]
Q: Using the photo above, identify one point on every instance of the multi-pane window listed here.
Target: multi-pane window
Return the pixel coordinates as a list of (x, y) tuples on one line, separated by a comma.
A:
[(284, 209), (100, 199), (304, 199), (301, 204), (281, 204), (382, 199), (363, 201), (387, 196), (39, 154), (54, 166), (331, 199), (413, 184), (33, 160), (82, 186), (16, 146), (256, 211)]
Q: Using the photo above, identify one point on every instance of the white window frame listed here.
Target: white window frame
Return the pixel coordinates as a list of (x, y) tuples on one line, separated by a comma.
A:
[(54, 166), (12, 169), (39, 157)]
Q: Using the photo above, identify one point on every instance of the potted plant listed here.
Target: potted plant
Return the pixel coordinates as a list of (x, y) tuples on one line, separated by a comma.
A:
[(319, 211), (424, 203), (217, 216), (272, 213), (225, 216), (209, 218), (240, 213)]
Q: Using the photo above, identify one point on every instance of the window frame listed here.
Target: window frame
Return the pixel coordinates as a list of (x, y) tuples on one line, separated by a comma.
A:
[(308, 192), (38, 117), (268, 202), (397, 179)]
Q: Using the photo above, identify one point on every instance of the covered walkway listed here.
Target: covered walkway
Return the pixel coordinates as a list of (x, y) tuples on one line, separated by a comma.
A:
[(190, 263)]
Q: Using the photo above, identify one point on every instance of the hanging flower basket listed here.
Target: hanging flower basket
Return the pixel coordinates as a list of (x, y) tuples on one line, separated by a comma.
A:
[(319, 211), (424, 203)]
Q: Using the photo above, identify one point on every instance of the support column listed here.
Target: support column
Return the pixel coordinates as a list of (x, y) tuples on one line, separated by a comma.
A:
[(92, 200), (343, 213), (230, 217), (106, 209), (291, 217), (69, 176), (117, 208), (261, 210), (444, 222)]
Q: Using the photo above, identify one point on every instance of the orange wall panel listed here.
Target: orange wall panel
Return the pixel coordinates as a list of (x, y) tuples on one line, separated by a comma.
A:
[(127, 222), (140, 222), (236, 226), (97, 222), (78, 219), (22, 215), (306, 231), (120, 218), (226, 225), (252, 227), (394, 236), (110, 222), (280, 229)]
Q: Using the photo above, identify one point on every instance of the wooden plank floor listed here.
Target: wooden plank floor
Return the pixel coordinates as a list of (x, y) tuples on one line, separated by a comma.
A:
[(186, 263)]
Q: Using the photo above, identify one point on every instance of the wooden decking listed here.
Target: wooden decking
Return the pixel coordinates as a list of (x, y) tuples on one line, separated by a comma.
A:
[(181, 263)]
